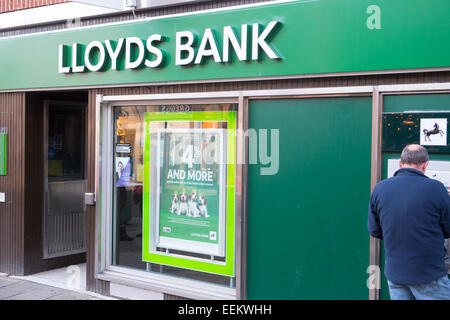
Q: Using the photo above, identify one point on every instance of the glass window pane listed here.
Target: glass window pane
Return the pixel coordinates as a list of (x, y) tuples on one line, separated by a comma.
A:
[(186, 148), (65, 142)]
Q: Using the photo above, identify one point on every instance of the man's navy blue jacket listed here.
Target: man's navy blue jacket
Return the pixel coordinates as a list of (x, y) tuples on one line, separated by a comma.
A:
[(411, 213)]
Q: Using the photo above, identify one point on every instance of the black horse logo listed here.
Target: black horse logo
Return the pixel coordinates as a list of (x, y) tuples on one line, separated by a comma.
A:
[(428, 133)]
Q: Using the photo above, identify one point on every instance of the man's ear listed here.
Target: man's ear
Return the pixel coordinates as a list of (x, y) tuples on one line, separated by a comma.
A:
[(400, 164), (425, 165)]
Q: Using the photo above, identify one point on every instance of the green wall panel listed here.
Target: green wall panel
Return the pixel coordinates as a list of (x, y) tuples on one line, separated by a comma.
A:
[(417, 102), (307, 233), (401, 103)]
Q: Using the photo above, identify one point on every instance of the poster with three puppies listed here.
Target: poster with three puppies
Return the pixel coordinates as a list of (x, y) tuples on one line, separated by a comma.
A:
[(191, 178)]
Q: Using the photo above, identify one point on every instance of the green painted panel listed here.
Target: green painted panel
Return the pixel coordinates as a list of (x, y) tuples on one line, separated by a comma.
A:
[(3, 153), (401, 103), (417, 102), (314, 37), (307, 225)]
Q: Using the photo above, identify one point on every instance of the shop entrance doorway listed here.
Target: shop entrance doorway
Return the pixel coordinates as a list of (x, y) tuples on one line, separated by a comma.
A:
[(55, 179), (64, 212)]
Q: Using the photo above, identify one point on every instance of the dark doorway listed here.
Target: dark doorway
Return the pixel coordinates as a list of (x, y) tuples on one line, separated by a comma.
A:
[(55, 180), (65, 179)]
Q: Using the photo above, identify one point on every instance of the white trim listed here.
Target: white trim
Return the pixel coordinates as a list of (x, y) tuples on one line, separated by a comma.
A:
[(174, 96), (236, 94), (415, 87), (166, 284), (133, 293), (280, 92), (176, 15), (308, 91)]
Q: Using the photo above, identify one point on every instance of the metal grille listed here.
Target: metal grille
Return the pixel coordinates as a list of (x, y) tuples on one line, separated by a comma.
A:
[(65, 219)]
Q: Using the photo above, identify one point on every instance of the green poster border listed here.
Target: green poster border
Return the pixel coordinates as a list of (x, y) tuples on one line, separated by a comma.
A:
[(227, 268), (3, 148)]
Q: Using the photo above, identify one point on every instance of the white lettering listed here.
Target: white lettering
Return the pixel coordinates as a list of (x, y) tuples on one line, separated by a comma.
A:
[(259, 40), (170, 174), (374, 21), (101, 56), (208, 39), (241, 47), (176, 174), (114, 53), (264, 158), (157, 52), (246, 309), (230, 37), (61, 56), (186, 47), (195, 310), (129, 44), (374, 280), (75, 59)]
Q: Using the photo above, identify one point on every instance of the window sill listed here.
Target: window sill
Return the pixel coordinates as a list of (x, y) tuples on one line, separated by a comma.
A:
[(166, 284)]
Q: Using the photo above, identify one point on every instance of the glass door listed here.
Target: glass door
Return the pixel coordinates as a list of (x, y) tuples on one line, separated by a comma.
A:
[(64, 179)]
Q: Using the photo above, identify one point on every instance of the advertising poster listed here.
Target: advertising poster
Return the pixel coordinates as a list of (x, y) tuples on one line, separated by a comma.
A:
[(439, 170), (123, 171), (191, 216), (189, 184)]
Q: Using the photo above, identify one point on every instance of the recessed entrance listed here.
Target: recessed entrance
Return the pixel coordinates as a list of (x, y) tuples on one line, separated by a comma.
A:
[(65, 179), (55, 180)]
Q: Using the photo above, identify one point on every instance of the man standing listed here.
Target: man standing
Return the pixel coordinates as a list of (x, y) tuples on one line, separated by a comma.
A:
[(411, 213)]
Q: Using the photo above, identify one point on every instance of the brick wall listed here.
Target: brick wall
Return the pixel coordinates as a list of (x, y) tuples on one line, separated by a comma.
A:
[(13, 5)]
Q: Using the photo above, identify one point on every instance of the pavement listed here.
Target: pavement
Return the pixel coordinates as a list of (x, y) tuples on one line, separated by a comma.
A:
[(17, 289)]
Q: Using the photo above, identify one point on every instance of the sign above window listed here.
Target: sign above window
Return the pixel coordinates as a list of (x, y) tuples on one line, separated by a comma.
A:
[(96, 56), (264, 40)]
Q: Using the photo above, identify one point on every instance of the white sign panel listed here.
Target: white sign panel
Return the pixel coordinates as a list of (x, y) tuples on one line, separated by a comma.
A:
[(439, 170), (433, 132), (190, 202)]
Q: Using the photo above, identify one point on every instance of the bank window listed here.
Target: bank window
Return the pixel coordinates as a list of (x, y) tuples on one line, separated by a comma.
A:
[(174, 190)]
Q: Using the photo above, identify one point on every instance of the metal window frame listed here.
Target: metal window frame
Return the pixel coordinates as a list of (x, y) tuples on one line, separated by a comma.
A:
[(379, 93), (183, 287), (124, 275)]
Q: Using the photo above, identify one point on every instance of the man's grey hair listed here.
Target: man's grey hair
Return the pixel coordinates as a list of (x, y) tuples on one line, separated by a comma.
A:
[(414, 154)]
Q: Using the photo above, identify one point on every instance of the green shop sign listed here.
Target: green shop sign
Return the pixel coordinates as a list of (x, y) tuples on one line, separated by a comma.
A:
[(286, 38), (3, 141)]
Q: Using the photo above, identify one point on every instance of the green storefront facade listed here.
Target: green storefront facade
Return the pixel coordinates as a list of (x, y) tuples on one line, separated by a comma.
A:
[(286, 98)]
